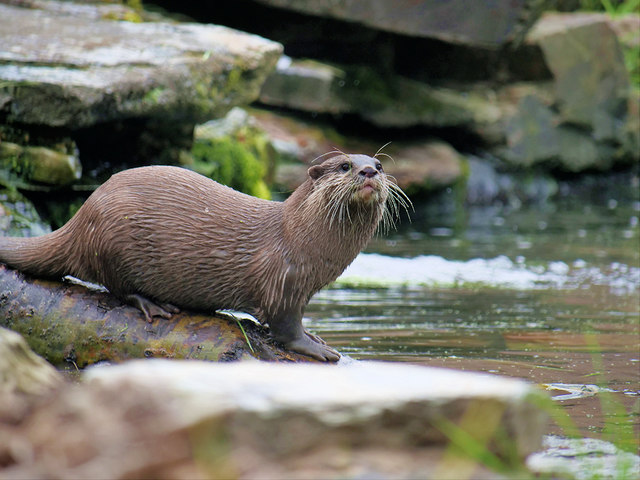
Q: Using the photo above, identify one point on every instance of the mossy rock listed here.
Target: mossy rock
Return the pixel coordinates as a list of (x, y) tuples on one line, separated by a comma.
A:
[(18, 216), (38, 164), (235, 152), (231, 163)]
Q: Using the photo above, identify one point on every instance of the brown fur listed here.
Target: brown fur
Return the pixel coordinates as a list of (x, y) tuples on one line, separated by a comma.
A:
[(173, 236)]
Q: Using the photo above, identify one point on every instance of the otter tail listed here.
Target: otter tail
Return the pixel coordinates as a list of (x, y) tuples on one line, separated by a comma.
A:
[(44, 256)]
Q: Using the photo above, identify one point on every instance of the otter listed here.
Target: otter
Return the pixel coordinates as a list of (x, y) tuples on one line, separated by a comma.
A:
[(163, 238)]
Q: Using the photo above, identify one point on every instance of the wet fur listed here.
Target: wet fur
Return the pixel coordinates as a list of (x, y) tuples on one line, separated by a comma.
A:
[(176, 237)]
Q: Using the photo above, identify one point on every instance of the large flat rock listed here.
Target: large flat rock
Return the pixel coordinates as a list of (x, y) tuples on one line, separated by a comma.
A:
[(191, 419), (67, 71), (282, 412), (484, 24)]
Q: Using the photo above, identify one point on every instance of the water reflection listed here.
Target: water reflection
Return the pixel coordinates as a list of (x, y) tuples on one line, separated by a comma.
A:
[(583, 330)]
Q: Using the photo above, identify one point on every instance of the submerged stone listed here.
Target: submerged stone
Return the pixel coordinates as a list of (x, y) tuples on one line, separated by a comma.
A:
[(583, 459)]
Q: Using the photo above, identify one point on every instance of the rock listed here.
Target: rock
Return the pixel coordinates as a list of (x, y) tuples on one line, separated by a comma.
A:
[(411, 103), (249, 420), (480, 24), (82, 324), (531, 134), (578, 151), (591, 81), (236, 119), (24, 377), (18, 216), (132, 12), (583, 458), (23, 372), (631, 139), (536, 135), (65, 71), (425, 166), (304, 85), (296, 140), (486, 186), (40, 164), (235, 152), (417, 165), (397, 102)]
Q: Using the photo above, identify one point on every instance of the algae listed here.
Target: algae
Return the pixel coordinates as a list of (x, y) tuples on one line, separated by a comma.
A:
[(235, 152), (18, 216), (231, 163), (43, 165)]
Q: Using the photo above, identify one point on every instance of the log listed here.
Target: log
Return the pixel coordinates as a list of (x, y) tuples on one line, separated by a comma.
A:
[(69, 324)]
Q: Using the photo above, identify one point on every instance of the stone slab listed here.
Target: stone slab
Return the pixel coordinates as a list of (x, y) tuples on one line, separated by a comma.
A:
[(398, 102), (191, 419), (355, 401), (488, 24), (67, 71)]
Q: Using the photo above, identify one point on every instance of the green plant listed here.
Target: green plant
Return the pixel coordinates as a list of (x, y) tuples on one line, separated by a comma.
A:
[(612, 7), (619, 424), (467, 451), (230, 163)]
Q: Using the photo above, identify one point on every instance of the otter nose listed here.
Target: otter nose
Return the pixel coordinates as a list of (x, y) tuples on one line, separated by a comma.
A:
[(368, 172)]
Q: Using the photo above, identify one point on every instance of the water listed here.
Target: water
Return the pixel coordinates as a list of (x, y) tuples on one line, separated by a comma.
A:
[(548, 293)]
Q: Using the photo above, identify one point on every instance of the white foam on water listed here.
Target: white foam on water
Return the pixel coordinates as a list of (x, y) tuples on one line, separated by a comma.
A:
[(371, 269)]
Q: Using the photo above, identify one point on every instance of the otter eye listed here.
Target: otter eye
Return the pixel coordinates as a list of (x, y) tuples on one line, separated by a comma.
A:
[(379, 167), (345, 167)]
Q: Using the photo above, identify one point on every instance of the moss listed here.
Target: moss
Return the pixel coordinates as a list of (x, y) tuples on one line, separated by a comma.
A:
[(364, 88), (233, 80), (18, 216), (11, 159), (153, 96), (232, 163), (133, 12), (40, 165)]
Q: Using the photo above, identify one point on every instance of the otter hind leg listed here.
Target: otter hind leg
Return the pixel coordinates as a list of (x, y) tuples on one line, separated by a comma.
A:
[(287, 329), (313, 349), (150, 309)]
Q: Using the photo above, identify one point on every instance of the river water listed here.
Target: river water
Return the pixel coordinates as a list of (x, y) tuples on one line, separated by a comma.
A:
[(548, 293)]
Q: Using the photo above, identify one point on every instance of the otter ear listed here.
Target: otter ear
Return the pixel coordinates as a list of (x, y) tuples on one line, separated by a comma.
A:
[(315, 172)]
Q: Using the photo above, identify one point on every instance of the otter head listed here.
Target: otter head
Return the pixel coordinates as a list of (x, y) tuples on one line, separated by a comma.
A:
[(352, 192), (355, 179)]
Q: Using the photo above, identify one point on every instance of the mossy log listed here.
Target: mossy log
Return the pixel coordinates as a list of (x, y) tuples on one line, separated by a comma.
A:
[(70, 324)]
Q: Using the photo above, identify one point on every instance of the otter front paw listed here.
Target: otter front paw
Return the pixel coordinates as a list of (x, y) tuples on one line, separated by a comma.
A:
[(313, 349), (150, 309)]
